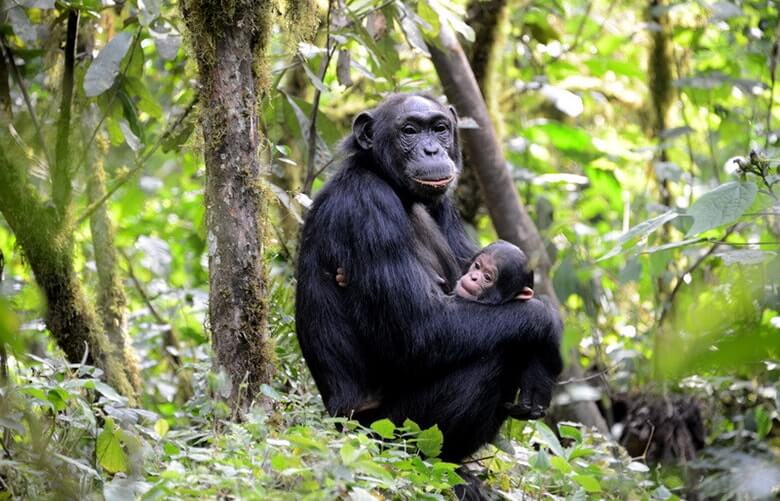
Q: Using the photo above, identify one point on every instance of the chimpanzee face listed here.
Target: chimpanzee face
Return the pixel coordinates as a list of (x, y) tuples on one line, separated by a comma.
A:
[(480, 280), (414, 141)]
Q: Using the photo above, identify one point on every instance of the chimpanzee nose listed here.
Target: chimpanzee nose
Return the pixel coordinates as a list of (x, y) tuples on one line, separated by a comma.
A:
[(431, 148), (473, 277)]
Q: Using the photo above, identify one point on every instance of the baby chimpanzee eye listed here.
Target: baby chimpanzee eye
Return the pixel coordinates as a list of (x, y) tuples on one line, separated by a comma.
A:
[(408, 129), (476, 265), (488, 278)]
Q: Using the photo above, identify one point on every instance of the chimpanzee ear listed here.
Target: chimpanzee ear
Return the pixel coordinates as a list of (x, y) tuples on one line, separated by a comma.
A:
[(363, 130), (526, 294), (454, 114)]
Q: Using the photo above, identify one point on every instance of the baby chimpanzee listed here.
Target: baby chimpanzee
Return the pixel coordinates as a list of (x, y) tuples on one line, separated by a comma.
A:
[(498, 274)]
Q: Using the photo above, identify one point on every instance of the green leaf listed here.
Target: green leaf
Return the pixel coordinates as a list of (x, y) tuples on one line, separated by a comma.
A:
[(430, 441), (588, 482), (545, 435), (411, 426), (58, 397), (161, 427), (349, 452), (763, 422), (579, 452), (108, 392), (640, 231), (384, 427), (723, 205), (569, 431), (560, 464), (428, 15), (110, 454), (104, 69)]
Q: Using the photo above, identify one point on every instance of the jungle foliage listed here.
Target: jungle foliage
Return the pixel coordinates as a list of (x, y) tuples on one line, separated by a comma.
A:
[(642, 137)]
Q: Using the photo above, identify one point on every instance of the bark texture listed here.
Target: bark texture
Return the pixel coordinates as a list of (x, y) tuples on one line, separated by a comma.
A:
[(111, 300), (509, 216), (487, 18), (229, 44), (47, 243)]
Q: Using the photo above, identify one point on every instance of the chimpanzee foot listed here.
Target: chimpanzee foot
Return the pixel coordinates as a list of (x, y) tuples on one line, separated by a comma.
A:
[(524, 412)]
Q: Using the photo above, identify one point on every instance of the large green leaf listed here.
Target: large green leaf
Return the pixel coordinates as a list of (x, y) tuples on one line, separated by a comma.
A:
[(109, 451), (429, 441), (723, 205), (104, 69)]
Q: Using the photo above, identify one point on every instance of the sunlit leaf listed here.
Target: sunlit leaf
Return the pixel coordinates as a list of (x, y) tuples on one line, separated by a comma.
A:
[(108, 449), (640, 231), (430, 440), (546, 436), (588, 482), (384, 427), (723, 205)]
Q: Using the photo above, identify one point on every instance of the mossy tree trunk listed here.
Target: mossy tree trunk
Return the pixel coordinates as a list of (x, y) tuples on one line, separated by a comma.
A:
[(229, 41), (44, 229), (47, 242), (111, 299)]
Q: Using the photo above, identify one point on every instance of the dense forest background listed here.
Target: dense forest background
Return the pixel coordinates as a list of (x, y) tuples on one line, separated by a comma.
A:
[(140, 359)]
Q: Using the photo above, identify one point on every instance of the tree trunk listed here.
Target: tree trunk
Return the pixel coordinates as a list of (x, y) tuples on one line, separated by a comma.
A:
[(111, 299), (487, 18), (47, 243), (509, 216), (229, 45)]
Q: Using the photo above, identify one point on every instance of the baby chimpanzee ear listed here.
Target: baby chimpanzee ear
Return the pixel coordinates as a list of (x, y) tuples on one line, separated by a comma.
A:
[(526, 294), (363, 130)]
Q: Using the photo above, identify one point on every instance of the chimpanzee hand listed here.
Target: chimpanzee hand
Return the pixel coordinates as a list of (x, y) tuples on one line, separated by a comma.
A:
[(536, 386)]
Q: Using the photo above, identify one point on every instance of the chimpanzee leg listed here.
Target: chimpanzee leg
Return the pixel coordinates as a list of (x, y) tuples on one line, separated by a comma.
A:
[(467, 405)]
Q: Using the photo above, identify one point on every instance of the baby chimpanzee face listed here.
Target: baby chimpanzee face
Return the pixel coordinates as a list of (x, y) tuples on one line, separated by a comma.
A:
[(498, 274), (481, 276)]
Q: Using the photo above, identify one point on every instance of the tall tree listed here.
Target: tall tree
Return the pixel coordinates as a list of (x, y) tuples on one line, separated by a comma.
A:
[(230, 40)]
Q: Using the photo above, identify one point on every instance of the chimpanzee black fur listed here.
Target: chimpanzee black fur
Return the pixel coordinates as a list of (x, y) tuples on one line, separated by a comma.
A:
[(392, 343)]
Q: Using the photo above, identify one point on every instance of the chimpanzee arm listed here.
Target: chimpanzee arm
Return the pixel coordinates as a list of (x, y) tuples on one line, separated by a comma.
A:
[(396, 305)]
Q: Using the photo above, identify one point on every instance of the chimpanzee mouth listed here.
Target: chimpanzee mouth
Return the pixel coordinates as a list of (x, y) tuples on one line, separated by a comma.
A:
[(435, 183)]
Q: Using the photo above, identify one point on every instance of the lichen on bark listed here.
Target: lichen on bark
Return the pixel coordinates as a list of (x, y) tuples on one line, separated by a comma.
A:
[(229, 41)]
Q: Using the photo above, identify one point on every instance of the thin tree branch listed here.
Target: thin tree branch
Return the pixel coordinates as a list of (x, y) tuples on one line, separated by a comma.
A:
[(312, 136), (139, 164), (60, 179)]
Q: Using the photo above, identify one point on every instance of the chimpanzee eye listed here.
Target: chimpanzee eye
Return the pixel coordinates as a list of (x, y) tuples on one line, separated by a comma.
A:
[(408, 129), (476, 265), (488, 277), (440, 127)]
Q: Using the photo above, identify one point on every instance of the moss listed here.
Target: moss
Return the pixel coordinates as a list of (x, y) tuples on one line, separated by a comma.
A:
[(660, 68), (47, 243)]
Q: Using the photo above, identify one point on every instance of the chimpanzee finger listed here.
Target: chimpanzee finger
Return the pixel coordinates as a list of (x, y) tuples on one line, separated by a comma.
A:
[(520, 411), (341, 277)]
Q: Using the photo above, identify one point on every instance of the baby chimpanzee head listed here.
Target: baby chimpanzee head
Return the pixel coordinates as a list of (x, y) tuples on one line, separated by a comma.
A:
[(497, 274)]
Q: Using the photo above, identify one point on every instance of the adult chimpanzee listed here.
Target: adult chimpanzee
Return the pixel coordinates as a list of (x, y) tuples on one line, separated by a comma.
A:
[(392, 343)]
